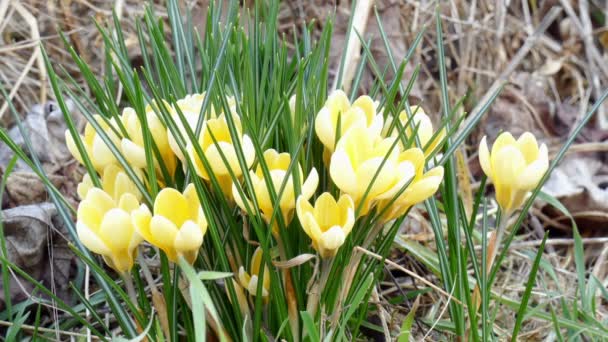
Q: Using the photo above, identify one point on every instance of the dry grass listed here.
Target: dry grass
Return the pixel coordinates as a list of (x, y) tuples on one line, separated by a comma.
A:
[(552, 78)]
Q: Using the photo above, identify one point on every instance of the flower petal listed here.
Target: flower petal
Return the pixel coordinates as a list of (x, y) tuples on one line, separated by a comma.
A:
[(484, 158), (534, 172), (528, 147), (91, 240), (189, 237), (116, 229), (172, 205)]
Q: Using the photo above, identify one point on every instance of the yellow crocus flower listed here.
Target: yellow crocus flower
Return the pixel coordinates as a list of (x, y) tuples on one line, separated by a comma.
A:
[(96, 149), (514, 166), (249, 280), (177, 226), (104, 226), (133, 147), (328, 222), (190, 106), (424, 127), (278, 164), (337, 106), (218, 129), (422, 186), (114, 181), (359, 156)]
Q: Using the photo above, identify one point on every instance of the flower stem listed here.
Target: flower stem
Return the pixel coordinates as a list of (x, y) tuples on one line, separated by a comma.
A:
[(128, 280)]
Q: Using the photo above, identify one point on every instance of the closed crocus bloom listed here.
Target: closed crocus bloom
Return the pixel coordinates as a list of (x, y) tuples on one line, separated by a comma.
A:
[(338, 110), (133, 148), (514, 166), (104, 226), (359, 156), (420, 186), (250, 280), (218, 129), (177, 225), (114, 181), (328, 222), (421, 124), (97, 150), (190, 107), (278, 165)]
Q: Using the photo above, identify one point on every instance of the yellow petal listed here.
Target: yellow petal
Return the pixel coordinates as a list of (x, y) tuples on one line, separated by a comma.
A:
[(326, 210), (528, 147), (91, 240), (84, 186), (189, 237), (367, 105), (342, 172), (376, 175), (71, 144), (531, 175), (332, 239), (504, 139), (248, 150), (116, 229), (338, 101), (194, 204), (217, 163), (240, 201), (173, 206), (310, 185), (423, 189), (135, 154), (244, 277), (325, 129), (508, 165), (256, 261), (128, 202), (141, 221), (102, 201), (164, 233), (101, 154), (346, 212), (484, 158)]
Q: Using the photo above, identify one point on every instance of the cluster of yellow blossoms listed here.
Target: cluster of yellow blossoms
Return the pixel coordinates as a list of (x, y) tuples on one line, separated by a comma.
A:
[(366, 159)]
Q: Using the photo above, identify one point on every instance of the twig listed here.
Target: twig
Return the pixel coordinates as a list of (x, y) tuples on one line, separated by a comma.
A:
[(33, 24), (408, 272), (353, 45)]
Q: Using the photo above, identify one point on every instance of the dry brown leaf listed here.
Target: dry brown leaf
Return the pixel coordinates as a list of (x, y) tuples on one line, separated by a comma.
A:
[(580, 184), (29, 230)]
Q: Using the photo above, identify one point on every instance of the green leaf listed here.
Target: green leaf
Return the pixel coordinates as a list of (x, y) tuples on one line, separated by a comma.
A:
[(311, 330), (406, 326), (523, 307)]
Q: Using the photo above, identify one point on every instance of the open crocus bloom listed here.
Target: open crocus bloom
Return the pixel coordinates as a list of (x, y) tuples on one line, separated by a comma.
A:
[(177, 226), (338, 110), (133, 148), (191, 106), (218, 129), (114, 181), (96, 149), (250, 280), (365, 167), (104, 226), (514, 166), (421, 124), (278, 165), (421, 186), (328, 222)]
